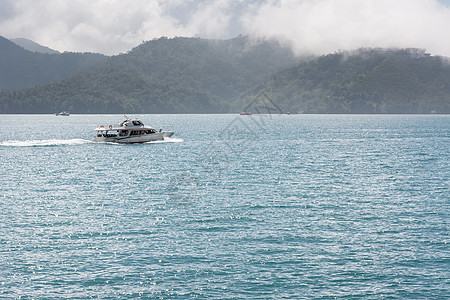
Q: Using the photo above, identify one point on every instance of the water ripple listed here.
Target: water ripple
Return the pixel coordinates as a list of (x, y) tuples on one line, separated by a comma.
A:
[(312, 207)]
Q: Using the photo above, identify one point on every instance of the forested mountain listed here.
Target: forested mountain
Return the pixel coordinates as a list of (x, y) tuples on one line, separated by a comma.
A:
[(191, 75), (364, 81), (20, 68), (180, 75)]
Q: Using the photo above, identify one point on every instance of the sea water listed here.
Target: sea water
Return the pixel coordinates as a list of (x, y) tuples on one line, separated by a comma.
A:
[(260, 206)]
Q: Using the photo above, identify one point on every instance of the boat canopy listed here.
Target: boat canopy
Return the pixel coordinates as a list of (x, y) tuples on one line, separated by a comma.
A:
[(128, 124)]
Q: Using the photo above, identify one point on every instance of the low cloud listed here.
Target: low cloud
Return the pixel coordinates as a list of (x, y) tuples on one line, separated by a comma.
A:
[(311, 26), (105, 26), (324, 26)]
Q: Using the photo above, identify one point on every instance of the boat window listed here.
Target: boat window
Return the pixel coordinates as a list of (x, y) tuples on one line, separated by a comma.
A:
[(135, 132), (137, 123), (123, 133)]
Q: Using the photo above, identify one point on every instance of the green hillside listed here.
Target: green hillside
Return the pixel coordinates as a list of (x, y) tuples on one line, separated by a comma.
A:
[(191, 75), (180, 75), (367, 81)]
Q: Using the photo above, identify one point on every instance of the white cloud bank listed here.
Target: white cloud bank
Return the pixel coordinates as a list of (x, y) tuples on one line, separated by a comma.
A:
[(312, 26), (106, 26), (324, 26)]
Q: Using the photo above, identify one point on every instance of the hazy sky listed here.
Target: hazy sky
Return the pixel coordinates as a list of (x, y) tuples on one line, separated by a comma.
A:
[(311, 26)]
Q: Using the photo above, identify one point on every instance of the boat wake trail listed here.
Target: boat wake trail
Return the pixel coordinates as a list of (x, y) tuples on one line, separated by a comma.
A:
[(44, 143), (71, 142), (167, 140)]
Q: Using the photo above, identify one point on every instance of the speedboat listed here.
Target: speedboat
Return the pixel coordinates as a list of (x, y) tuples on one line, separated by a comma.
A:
[(130, 131), (63, 113)]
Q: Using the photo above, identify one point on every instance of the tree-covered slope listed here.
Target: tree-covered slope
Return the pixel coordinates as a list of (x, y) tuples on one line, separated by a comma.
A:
[(191, 75), (180, 75), (20, 68), (366, 81)]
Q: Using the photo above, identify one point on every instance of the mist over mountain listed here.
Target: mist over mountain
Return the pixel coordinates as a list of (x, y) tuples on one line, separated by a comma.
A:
[(314, 27), (33, 46), (21, 68), (193, 75)]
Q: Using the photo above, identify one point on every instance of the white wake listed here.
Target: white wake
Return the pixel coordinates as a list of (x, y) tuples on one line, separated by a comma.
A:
[(56, 142), (167, 140), (40, 143)]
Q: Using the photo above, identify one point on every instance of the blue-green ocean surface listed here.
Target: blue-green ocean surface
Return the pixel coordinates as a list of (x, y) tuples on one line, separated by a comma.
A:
[(261, 206)]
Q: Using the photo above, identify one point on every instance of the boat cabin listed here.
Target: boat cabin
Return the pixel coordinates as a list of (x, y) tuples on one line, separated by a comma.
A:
[(114, 132), (130, 131)]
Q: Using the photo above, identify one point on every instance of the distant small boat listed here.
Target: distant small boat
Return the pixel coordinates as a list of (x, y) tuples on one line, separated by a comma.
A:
[(245, 113), (63, 113)]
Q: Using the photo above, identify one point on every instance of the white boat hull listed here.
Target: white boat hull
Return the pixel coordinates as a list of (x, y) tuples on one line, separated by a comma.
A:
[(158, 136)]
